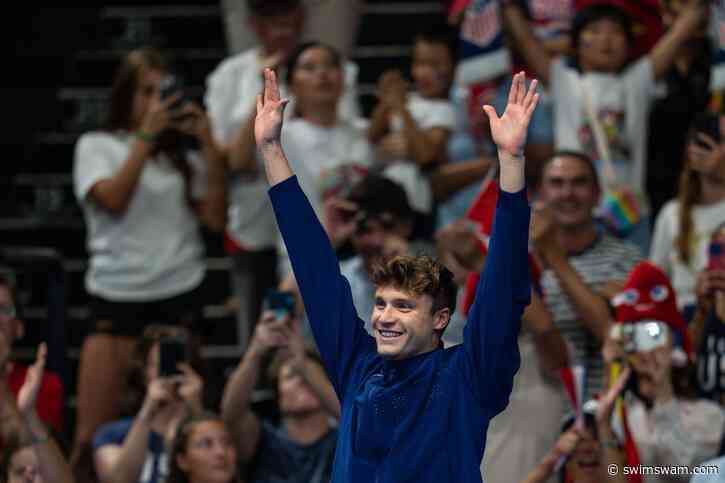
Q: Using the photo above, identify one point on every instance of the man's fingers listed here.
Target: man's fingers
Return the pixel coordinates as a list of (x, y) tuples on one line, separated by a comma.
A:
[(513, 91), (530, 108), (274, 95), (530, 93), (491, 113), (521, 91), (260, 103), (270, 86), (283, 104)]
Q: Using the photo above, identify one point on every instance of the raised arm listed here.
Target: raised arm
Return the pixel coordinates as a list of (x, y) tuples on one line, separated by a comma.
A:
[(236, 410), (592, 308), (53, 466), (532, 49), (326, 294), (689, 20), (122, 461), (491, 357)]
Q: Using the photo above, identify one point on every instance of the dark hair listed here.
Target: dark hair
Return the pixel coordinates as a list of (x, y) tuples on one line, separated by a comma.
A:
[(377, 194), (272, 8), (295, 55), (683, 380), (181, 441), (279, 359), (688, 195), (120, 114), (586, 160), (600, 11), (125, 83), (440, 33), (418, 275), (133, 398)]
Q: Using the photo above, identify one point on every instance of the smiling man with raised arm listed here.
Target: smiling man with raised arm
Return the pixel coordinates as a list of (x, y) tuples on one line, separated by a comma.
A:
[(411, 410)]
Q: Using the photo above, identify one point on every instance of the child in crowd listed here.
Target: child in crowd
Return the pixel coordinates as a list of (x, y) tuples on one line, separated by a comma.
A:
[(598, 91), (411, 130)]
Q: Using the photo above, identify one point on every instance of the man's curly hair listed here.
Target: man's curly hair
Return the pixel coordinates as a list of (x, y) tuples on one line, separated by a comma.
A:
[(418, 275)]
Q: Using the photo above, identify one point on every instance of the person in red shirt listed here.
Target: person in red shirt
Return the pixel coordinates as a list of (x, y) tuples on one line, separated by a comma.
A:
[(12, 374)]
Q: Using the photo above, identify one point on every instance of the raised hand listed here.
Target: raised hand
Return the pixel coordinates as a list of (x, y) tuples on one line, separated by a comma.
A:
[(28, 393), (509, 130), (159, 395), (270, 110), (269, 333)]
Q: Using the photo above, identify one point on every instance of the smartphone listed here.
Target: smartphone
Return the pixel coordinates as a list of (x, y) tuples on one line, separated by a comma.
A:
[(716, 258), (169, 86), (172, 351), (281, 303)]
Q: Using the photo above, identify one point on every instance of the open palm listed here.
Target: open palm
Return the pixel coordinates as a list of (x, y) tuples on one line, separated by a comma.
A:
[(270, 110), (509, 130)]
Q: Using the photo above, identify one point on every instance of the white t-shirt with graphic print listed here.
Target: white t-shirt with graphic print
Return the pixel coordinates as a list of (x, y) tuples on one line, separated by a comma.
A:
[(621, 101)]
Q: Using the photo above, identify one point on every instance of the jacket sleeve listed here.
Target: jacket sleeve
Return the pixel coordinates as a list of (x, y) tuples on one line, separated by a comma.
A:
[(326, 294), (490, 356)]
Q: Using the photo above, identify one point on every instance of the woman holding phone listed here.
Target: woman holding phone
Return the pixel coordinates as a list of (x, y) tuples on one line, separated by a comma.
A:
[(145, 183), (684, 225), (133, 450)]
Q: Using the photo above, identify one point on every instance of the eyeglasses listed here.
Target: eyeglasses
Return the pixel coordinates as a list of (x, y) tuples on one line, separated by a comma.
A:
[(8, 311)]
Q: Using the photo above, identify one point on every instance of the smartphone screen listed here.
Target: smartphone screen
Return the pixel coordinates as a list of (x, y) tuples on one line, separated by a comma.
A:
[(172, 351), (716, 260), (281, 303)]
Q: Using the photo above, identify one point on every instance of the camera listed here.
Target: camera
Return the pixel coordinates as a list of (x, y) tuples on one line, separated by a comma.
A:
[(641, 336), (172, 351)]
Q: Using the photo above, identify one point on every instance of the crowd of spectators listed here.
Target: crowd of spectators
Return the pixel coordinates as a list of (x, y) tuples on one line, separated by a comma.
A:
[(622, 348)]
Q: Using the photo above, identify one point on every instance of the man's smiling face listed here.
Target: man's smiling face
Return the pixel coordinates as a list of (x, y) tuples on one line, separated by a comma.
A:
[(404, 324)]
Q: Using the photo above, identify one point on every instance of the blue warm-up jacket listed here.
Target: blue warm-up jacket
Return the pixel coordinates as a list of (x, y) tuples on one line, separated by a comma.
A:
[(422, 419)]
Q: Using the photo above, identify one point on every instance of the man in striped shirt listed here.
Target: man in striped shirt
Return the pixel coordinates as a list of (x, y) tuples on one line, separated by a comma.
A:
[(582, 262)]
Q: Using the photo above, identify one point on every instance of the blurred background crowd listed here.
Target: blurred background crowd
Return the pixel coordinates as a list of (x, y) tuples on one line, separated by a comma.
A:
[(151, 329)]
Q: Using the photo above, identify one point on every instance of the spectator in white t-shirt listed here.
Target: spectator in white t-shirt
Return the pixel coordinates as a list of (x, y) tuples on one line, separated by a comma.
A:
[(685, 224), (619, 93), (411, 131), (317, 140), (230, 98), (144, 189)]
